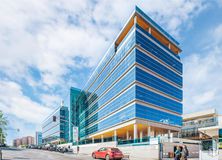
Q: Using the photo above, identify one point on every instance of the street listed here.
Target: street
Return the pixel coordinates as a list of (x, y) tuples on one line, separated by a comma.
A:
[(31, 154)]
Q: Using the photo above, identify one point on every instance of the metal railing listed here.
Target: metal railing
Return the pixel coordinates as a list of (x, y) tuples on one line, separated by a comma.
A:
[(139, 141), (202, 124)]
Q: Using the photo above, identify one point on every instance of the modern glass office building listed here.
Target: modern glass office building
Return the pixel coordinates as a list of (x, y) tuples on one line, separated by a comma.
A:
[(55, 128), (73, 111), (136, 89), (38, 138)]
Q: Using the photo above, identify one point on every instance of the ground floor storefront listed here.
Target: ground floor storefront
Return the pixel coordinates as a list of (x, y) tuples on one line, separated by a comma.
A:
[(133, 131)]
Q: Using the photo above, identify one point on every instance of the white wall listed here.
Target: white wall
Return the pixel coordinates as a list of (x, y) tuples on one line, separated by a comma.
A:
[(220, 121), (89, 148), (207, 155), (144, 152)]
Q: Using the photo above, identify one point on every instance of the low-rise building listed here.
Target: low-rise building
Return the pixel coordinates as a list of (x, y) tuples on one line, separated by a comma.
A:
[(17, 142), (204, 125), (55, 128), (30, 140), (24, 141)]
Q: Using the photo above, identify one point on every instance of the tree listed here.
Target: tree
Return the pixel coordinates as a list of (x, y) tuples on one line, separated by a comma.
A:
[(3, 124)]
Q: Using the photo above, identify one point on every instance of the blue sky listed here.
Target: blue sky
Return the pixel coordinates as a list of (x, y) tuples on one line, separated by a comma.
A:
[(48, 46)]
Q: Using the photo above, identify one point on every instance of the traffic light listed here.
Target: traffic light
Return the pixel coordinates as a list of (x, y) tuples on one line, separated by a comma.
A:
[(54, 118)]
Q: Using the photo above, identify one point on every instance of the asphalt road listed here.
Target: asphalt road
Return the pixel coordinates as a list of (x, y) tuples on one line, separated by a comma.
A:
[(32, 154)]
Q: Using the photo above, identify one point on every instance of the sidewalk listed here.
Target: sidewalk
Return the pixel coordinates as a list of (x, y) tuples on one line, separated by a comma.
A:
[(188, 159)]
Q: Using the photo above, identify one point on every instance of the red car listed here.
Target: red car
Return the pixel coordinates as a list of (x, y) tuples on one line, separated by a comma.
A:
[(108, 153)]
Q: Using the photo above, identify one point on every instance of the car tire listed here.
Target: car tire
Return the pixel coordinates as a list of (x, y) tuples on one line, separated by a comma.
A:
[(94, 155), (107, 157)]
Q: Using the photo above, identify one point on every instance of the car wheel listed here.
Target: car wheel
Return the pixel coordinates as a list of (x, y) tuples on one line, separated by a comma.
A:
[(107, 157), (94, 156)]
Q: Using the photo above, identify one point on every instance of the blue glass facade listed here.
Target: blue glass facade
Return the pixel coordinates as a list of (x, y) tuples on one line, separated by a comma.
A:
[(38, 138), (139, 78), (56, 127), (73, 111), (220, 138)]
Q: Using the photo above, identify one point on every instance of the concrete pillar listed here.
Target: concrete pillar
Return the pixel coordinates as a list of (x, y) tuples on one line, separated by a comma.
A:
[(148, 131), (92, 139), (155, 133), (169, 46), (135, 19), (160, 133), (169, 132), (127, 135), (201, 135), (163, 133), (141, 136), (149, 30), (115, 135), (135, 131), (102, 140)]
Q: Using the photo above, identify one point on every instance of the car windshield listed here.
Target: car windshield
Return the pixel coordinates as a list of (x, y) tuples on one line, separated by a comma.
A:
[(115, 149)]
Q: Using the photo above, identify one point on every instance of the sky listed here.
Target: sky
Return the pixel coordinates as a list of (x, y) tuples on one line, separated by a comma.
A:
[(48, 46)]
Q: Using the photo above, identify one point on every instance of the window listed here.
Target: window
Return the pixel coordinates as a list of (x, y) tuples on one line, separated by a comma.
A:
[(102, 149)]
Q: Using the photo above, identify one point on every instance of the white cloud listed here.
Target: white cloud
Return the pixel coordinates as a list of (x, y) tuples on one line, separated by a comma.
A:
[(202, 75), (217, 34), (171, 15), (50, 100), (14, 102), (39, 33)]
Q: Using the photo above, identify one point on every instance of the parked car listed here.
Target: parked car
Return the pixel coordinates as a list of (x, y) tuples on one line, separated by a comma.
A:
[(2, 145), (60, 149), (70, 149), (52, 148), (46, 147), (108, 153), (32, 146)]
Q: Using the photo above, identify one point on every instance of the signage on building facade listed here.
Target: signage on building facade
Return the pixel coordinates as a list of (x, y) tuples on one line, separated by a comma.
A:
[(75, 134), (154, 140)]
